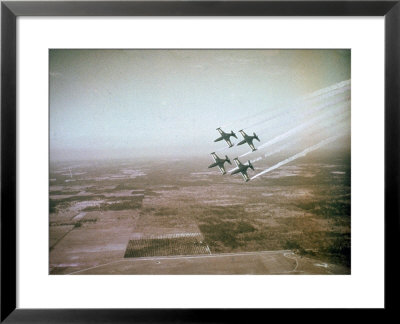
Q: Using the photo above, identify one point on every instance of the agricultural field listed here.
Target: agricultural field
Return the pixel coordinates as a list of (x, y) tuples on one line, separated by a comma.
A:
[(103, 212)]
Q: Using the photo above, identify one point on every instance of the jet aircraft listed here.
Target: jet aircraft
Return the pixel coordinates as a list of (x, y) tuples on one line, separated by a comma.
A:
[(248, 139), (225, 136), (242, 168), (219, 162)]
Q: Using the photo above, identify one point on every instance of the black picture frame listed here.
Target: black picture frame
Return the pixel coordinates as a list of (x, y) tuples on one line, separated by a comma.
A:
[(11, 10)]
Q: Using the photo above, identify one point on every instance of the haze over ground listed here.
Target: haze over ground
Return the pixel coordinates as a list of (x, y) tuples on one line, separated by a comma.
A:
[(156, 103)]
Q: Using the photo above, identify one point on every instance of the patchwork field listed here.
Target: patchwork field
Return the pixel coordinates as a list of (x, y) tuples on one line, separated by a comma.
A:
[(177, 244), (111, 216)]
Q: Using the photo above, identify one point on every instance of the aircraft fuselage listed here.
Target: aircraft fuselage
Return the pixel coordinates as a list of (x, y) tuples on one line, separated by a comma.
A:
[(248, 139), (219, 162), (225, 136), (242, 168)]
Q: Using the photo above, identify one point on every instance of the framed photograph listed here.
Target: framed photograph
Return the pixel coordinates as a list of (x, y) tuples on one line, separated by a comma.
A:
[(164, 158)]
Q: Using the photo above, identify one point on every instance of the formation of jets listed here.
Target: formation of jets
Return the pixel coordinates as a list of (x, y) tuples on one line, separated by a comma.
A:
[(240, 167)]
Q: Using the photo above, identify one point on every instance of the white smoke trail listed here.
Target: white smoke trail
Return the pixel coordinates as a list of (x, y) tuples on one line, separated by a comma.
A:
[(338, 127), (300, 127), (324, 96), (279, 149), (298, 155), (335, 89), (308, 112), (257, 159), (324, 93), (301, 105)]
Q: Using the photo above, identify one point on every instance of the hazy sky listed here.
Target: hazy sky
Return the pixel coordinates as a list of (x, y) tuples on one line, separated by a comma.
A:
[(126, 103)]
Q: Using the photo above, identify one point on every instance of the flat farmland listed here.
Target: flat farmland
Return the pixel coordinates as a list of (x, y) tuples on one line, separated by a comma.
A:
[(109, 215)]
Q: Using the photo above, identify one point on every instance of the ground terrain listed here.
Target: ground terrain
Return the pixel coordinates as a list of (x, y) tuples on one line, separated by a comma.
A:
[(176, 216)]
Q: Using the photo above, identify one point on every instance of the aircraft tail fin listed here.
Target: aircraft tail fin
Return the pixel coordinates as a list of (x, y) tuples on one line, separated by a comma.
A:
[(227, 159), (256, 137), (251, 165)]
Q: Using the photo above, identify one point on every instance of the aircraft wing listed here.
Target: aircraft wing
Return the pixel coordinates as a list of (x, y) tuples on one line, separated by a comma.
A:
[(245, 176), (229, 142), (220, 130), (222, 169), (214, 156), (237, 162), (252, 146), (243, 133)]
